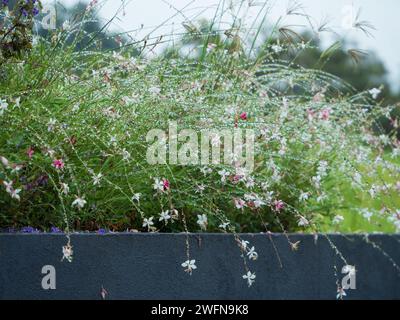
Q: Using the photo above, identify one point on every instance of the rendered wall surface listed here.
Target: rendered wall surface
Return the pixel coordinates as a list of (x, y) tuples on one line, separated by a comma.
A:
[(148, 266)]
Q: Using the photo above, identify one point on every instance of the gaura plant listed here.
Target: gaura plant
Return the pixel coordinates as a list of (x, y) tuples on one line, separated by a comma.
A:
[(74, 141)]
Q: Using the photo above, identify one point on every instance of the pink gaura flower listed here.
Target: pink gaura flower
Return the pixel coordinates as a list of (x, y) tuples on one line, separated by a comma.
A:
[(279, 205), (166, 184), (325, 114), (58, 164), (236, 178), (239, 203), (394, 122), (243, 116), (30, 152)]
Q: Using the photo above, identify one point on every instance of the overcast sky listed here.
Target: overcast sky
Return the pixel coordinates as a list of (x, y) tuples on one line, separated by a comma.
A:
[(383, 15)]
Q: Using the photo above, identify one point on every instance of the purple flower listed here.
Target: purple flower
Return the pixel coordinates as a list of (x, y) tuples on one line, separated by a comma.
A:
[(55, 230), (5, 2), (24, 12), (29, 230), (35, 11), (29, 186), (42, 180), (101, 231)]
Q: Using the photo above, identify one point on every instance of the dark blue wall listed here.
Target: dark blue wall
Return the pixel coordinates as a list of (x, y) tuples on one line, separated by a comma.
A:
[(148, 266)]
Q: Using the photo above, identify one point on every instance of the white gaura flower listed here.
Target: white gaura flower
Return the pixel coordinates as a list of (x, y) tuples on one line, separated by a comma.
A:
[(15, 194), (224, 174), (252, 254), (79, 203), (76, 107), (249, 197), (249, 182), (258, 203), (374, 92), (224, 225), (244, 244), (250, 277), (338, 219), (164, 216), (3, 106), (103, 293), (303, 222), (64, 188), (304, 196), (341, 294), (113, 140), (97, 179), (50, 153), (202, 221), (16, 168), (269, 196), (148, 222), (8, 186), (265, 186), (190, 265), (6, 163), (17, 102), (200, 188), (125, 155), (136, 197), (67, 253), (51, 125), (206, 170), (385, 139), (367, 214), (158, 184)]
